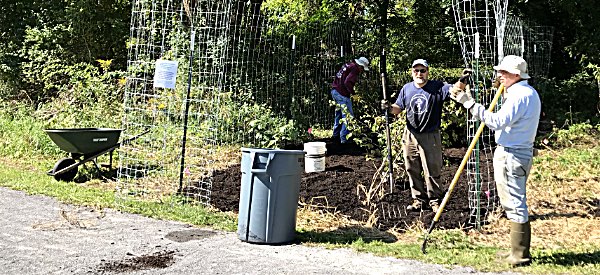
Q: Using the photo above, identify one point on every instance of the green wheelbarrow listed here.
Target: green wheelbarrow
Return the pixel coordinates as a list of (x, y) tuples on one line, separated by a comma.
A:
[(84, 145)]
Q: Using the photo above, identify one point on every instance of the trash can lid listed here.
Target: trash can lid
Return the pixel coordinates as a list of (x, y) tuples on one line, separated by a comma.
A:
[(276, 151)]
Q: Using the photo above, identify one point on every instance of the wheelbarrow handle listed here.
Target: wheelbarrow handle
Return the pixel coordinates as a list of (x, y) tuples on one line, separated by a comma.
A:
[(134, 137)]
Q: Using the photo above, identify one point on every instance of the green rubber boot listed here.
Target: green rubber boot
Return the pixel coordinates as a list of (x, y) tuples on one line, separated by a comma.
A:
[(520, 242)]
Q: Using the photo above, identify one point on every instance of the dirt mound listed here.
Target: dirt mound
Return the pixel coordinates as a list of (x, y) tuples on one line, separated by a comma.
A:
[(337, 188), (156, 260)]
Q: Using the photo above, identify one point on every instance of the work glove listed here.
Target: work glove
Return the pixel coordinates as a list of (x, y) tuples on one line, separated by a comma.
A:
[(467, 72), (385, 105), (462, 81), (462, 97)]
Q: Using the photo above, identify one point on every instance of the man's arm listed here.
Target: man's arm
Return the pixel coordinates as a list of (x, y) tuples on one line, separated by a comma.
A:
[(350, 81), (511, 110)]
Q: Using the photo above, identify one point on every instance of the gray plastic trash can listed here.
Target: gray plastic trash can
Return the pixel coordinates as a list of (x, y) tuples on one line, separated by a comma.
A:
[(269, 195)]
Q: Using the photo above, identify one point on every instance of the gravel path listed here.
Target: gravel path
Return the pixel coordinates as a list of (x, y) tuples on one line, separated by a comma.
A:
[(39, 235)]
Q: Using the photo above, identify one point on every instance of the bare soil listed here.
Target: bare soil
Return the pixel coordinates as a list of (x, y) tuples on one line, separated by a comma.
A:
[(336, 188)]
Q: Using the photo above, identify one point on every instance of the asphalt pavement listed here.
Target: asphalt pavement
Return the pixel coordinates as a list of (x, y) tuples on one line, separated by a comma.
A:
[(39, 235)]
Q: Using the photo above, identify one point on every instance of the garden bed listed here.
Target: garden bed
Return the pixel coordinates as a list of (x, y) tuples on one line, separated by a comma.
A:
[(336, 190)]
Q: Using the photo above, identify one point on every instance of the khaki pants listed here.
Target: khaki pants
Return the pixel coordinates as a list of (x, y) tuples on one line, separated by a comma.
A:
[(511, 170), (423, 162)]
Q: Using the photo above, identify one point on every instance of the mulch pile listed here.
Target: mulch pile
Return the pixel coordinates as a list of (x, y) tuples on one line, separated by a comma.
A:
[(336, 188)]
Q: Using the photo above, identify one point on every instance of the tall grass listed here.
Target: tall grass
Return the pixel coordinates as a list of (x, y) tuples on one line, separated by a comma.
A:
[(21, 135)]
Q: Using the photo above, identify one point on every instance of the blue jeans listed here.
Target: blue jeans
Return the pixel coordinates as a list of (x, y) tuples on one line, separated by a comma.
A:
[(340, 129), (511, 169)]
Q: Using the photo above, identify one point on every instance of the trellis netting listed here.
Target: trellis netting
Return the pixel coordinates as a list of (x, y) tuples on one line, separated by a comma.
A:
[(487, 33), (206, 75)]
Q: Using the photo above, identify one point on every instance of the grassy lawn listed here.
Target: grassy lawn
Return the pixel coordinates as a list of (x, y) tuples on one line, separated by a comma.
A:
[(563, 197)]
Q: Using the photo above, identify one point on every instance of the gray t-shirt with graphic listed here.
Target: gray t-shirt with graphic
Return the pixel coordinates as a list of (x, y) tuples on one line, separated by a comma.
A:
[(423, 105)]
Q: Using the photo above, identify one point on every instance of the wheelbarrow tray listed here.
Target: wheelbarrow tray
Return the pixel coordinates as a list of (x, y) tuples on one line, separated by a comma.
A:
[(84, 141)]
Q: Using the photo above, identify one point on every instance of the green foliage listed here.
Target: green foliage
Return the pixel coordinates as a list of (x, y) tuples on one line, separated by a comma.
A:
[(237, 119), (454, 117), (14, 20), (581, 133), (289, 11), (363, 129), (88, 98), (50, 35), (53, 35), (21, 135), (268, 130), (8, 89), (570, 101)]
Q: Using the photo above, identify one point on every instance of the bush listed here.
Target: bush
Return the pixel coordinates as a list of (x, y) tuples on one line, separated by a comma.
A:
[(581, 133), (240, 121), (87, 98), (571, 101)]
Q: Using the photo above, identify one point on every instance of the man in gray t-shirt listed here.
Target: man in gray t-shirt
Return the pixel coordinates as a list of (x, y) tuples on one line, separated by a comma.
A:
[(422, 99)]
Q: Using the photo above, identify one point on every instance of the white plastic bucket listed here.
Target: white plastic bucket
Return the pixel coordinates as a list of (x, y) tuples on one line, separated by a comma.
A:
[(315, 157)]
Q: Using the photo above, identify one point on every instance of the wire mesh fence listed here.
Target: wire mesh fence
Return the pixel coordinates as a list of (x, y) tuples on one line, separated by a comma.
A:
[(487, 33), (476, 22), (239, 79), (538, 47)]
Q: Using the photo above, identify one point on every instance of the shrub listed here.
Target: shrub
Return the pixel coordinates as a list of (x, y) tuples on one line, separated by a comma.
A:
[(245, 122), (87, 98), (571, 101), (581, 133)]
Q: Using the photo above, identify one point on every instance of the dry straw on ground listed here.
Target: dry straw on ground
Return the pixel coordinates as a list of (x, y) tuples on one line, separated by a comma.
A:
[(564, 209)]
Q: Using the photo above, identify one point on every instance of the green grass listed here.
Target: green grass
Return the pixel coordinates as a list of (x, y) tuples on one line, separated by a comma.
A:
[(35, 182), (570, 160), (21, 136), (454, 248)]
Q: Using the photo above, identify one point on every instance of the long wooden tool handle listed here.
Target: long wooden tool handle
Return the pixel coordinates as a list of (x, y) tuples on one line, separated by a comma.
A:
[(466, 157), (459, 171)]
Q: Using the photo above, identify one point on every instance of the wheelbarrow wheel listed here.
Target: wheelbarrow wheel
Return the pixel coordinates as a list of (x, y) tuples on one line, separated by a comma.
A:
[(67, 175)]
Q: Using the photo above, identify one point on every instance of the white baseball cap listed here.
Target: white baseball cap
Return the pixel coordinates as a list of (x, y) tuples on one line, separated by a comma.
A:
[(514, 65), (420, 62), (364, 62)]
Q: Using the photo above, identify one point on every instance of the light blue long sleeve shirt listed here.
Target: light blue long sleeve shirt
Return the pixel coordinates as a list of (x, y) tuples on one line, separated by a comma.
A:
[(516, 123)]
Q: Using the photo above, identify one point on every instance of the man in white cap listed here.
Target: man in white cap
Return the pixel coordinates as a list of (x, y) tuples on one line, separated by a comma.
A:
[(342, 89), (421, 140), (515, 126)]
